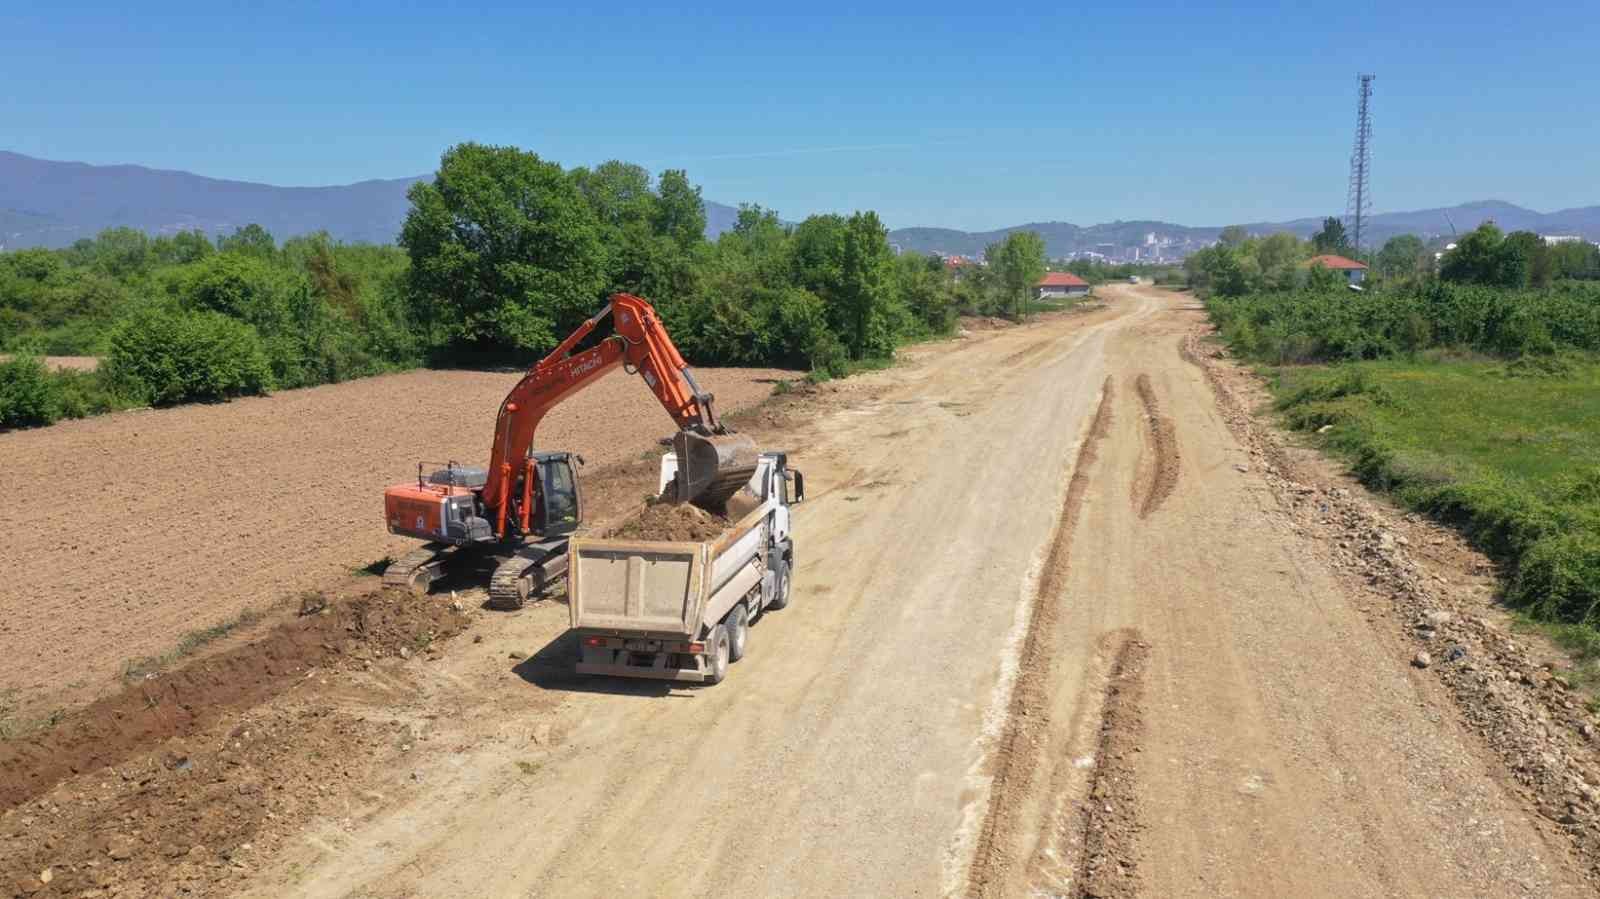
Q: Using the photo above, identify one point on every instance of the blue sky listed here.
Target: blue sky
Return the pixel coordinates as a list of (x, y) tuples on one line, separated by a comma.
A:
[(965, 115)]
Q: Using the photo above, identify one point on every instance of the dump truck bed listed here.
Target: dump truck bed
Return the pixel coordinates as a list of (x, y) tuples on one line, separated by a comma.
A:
[(642, 607), (666, 589)]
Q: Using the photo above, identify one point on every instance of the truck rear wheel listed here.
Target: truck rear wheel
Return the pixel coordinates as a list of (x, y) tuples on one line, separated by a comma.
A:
[(718, 655), (738, 625)]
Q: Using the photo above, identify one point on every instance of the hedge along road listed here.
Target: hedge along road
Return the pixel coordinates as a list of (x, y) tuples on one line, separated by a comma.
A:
[(1030, 572)]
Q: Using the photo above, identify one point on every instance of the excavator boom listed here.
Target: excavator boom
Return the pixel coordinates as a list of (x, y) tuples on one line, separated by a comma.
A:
[(713, 463)]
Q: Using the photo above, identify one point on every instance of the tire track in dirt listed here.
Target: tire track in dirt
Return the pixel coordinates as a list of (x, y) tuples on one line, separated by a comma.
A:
[(1026, 353), (1109, 862), (1164, 443), (1027, 717)]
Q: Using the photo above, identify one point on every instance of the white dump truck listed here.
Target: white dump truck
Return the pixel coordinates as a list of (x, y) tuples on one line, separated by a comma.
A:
[(682, 611)]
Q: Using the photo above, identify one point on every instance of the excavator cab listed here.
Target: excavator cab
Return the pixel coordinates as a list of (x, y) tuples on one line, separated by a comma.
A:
[(557, 508)]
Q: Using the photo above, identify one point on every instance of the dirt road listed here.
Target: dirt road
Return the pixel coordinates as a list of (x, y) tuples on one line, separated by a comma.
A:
[(1050, 635)]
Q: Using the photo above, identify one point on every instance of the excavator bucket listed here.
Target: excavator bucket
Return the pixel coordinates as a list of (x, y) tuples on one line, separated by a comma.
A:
[(712, 469)]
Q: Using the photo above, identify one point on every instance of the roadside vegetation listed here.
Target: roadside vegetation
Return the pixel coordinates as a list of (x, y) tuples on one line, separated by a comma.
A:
[(1469, 390), (500, 256)]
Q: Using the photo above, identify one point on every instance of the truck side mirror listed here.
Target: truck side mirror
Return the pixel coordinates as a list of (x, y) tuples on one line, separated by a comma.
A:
[(799, 488)]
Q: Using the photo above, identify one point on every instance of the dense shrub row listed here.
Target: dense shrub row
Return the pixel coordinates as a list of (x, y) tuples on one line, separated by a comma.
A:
[(31, 395), (1314, 325), (180, 319)]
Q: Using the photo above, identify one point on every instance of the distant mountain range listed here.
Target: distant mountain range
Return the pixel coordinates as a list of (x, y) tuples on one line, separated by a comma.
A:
[(1063, 238), (52, 204)]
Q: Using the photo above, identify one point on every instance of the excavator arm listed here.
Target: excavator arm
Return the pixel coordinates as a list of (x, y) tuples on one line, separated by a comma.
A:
[(626, 332)]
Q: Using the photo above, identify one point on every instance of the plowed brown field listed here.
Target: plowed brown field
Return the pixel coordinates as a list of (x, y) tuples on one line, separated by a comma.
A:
[(124, 532)]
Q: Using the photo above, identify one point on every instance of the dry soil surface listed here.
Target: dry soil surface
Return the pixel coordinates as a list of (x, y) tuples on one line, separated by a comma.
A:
[(138, 527), (1058, 513), (75, 363), (1064, 623)]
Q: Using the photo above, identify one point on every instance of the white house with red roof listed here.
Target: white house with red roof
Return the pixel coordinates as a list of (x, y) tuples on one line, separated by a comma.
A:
[(1354, 272), (1060, 284)]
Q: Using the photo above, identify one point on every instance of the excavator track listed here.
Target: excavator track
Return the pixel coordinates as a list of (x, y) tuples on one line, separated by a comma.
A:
[(416, 570), (518, 579)]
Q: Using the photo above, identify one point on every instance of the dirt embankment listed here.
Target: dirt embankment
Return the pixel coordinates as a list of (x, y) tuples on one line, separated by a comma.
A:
[(180, 702), (1163, 467), (1109, 866), (151, 782)]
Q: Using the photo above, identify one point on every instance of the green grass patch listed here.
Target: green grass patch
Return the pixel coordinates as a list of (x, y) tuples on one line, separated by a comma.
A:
[(1582, 645), (1034, 307), (189, 644), (850, 367), (1508, 452)]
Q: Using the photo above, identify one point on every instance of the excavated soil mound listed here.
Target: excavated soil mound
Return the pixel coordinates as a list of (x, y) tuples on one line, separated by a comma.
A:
[(675, 522), (188, 699)]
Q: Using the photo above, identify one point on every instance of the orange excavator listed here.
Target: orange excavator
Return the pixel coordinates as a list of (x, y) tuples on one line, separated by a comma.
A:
[(520, 510)]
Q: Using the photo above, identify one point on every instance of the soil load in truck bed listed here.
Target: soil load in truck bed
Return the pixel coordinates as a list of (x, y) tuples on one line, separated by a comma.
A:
[(671, 522)]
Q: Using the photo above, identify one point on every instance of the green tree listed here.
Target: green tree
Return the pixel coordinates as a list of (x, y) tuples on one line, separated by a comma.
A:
[(1227, 273), (122, 251), (1278, 257), (846, 262), (241, 286), (680, 211), (1483, 256), (505, 251), (924, 290), (1535, 256), (1332, 238), (181, 248), (817, 254), (1018, 264), (868, 305), (1401, 255), (252, 240), (1233, 235), (619, 193), (640, 258), (760, 237), (1575, 259)]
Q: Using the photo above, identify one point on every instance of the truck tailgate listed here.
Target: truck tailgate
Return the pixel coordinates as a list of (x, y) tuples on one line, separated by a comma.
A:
[(638, 587)]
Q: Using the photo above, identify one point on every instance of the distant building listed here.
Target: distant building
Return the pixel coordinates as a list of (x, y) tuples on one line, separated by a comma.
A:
[(1354, 272), (1060, 284), (1553, 239)]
